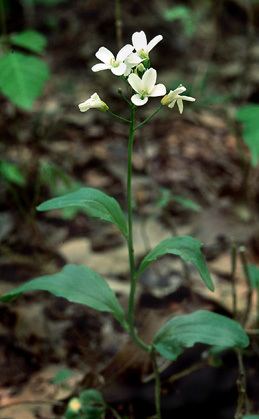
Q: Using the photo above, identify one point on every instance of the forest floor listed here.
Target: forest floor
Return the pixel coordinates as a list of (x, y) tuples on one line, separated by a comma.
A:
[(197, 156)]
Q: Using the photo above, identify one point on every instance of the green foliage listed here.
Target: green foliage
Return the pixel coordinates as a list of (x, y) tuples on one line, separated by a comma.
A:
[(31, 40), (253, 271), (10, 173), (185, 15), (248, 115), (188, 248), (59, 183), (167, 197), (251, 417), (47, 3), (89, 405), (96, 204), (62, 375), (22, 78), (186, 203), (199, 327), (77, 284)]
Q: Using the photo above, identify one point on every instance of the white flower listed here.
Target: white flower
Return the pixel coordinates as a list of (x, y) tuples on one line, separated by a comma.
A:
[(131, 61), (109, 62), (145, 87), (93, 103), (174, 96), (139, 41)]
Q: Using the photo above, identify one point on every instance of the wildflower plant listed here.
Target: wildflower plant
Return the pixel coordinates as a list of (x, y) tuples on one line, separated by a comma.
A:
[(80, 284)]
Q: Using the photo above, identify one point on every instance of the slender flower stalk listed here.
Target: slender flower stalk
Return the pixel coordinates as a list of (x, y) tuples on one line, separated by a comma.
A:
[(133, 275)]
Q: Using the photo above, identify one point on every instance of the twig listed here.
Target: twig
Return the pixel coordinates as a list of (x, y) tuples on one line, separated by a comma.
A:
[(18, 403), (241, 387), (157, 385), (242, 252), (187, 371), (233, 282)]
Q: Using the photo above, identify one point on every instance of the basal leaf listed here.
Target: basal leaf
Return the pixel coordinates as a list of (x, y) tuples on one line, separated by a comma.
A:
[(188, 248), (22, 78), (31, 40), (248, 115), (199, 327), (77, 284), (96, 203)]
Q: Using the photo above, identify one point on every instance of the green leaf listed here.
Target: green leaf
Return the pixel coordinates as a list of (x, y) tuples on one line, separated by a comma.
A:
[(22, 78), (11, 173), (253, 271), (186, 203), (62, 375), (89, 405), (77, 284), (199, 327), (31, 40), (251, 417), (96, 203), (188, 248), (248, 115)]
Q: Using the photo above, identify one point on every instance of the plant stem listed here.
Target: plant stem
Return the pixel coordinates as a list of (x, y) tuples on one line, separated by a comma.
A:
[(148, 118), (157, 385), (241, 386), (133, 276), (127, 121)]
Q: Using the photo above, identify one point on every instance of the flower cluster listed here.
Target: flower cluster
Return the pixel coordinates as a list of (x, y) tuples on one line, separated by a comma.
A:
[(132, 64)]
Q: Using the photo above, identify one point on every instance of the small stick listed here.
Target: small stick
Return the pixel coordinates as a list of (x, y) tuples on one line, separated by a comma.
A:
[(233, 283), (242, 252), (241, 387)]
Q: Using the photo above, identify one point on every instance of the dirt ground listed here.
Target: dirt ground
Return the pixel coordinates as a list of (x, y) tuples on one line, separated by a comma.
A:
[(199, 156)]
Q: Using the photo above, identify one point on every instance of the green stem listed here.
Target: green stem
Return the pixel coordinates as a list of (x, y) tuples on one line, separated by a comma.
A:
[(118, 116), (157, 386), (148, 118), (133, 276)]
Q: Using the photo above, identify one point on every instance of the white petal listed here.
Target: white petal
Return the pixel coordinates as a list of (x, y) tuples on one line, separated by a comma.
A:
[(120, 70), (136, 99), (171, 105), (133, 59), (159, 90), (149, 80), (135, 82), (188, 98), (139, 41), (180, 105), (100, 67), (180, 89), (124, 52), (84, 106), (104, 55), (154, 42)]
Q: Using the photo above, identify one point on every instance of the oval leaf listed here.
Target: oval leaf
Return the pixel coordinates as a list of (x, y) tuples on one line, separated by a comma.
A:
[(199, 327), (188, 248), (31, 40), (96, 203), (77, 284), (22, 78)]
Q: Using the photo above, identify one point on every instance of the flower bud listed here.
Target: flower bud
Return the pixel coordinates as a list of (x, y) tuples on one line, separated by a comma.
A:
[(93, 103)]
